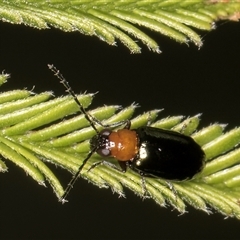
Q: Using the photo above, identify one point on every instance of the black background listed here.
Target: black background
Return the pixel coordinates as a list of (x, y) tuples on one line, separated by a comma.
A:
[(183, 80)]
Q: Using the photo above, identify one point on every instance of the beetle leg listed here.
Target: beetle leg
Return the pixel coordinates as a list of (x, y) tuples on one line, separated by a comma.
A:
[(108, 164), (111, 125), (128, 124), (123, 166)]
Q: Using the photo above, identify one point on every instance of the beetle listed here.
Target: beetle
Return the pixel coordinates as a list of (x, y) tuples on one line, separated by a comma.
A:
[(152, 152), (149, 151)]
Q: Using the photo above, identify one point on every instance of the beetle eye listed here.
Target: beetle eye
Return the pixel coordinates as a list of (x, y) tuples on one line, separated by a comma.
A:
[(104, 152), (105, 132)]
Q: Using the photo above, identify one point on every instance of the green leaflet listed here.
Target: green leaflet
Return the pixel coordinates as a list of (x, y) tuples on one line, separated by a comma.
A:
[(34, 135), (117, 20)]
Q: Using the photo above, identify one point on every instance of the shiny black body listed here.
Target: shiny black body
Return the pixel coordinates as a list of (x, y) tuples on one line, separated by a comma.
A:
[(167, 154)]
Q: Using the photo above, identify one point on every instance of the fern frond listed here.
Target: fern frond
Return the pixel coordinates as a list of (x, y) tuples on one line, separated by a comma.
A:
[(114, 20), (34, 136)]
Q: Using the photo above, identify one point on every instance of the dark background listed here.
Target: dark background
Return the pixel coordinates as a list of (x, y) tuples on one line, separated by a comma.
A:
[(183, 80)]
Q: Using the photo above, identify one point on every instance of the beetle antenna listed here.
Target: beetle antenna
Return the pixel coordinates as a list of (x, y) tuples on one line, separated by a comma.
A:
[(75, 177), (88, 116), (90, 119)]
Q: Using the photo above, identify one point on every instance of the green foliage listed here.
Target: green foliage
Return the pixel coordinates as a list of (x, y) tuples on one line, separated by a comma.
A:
[(34, 135), (112, 20)]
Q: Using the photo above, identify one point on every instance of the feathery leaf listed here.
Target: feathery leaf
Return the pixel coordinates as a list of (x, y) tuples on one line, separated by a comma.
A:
[(113, 20), (34, 136)]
